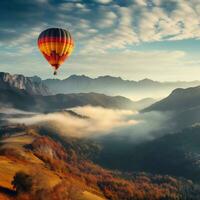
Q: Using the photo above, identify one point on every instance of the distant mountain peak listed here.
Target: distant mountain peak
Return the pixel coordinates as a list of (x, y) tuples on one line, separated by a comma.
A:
[(109, 77), (111, 85), (147, 80), (77, 77)]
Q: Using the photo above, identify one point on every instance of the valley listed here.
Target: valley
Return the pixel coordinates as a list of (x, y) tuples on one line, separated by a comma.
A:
[(101, 146)]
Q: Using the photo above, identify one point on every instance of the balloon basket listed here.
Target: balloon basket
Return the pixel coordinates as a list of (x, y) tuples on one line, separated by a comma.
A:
[(55, 73)]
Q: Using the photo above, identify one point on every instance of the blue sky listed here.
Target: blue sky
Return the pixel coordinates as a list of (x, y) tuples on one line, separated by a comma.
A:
[(134, 39)]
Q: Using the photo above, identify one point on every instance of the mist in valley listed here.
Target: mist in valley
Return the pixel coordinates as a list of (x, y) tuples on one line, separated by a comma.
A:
[(98, 123)]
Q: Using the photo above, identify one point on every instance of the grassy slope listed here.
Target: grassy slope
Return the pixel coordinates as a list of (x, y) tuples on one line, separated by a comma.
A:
[(9, 165), (89, 196)]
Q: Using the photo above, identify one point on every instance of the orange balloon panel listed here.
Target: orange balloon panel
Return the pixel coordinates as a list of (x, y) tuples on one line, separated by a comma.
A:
[(56, 45)]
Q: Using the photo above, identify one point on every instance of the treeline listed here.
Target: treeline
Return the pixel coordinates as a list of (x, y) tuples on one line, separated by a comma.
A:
[(139, 186)]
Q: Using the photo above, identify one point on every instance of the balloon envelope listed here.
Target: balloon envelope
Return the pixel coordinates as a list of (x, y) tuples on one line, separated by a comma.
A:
[(56, 45)]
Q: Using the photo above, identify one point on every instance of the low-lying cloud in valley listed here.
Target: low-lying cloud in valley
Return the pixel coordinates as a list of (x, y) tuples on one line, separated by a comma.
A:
[(89, 121), (13, 111), (95, 120)]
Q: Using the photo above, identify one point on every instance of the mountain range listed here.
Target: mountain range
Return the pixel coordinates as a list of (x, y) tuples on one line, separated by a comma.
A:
[(20, 99), (112, 86), (115, 86), (31, 93)]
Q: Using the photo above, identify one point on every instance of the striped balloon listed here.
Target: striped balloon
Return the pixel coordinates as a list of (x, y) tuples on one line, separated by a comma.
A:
[(56, 45)]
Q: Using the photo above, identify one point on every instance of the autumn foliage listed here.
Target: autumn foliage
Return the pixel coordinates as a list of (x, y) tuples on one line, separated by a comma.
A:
[(77, 173), (137, 186)]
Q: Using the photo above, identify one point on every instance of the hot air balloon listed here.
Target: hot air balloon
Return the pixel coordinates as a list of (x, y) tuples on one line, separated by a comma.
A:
[(56, 45)]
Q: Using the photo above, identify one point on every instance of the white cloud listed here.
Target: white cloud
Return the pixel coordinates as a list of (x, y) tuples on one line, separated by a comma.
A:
[(121, 36), (128, 26), (141, 2), (107, 27), (117, 27), (181, 23), (103, 1), (129, 124), (13, 111), (80, 5), (67, 124), (107, 20)]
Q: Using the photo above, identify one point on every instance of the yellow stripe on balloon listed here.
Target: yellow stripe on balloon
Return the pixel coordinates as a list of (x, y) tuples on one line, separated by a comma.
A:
[(55, 46)]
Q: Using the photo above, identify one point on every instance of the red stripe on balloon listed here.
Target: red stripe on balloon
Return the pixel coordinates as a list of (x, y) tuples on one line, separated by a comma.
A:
[(63, 57)]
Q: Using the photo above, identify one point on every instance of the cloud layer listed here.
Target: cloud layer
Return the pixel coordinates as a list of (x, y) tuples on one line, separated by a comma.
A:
[(119, 24), (104, 28), (101, 122)]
